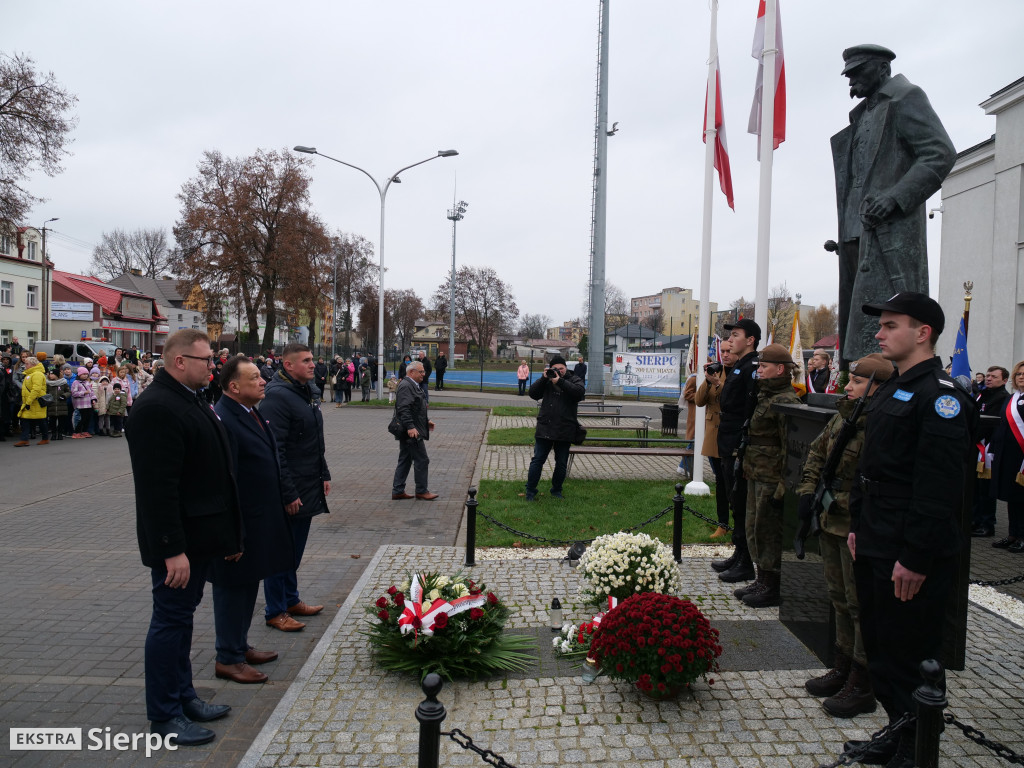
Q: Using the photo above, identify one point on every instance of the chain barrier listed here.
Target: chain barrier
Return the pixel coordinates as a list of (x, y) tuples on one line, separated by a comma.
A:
[(699, 516), (978, 737), (996, 582), (501, 525), (854, 754), (487, 755)]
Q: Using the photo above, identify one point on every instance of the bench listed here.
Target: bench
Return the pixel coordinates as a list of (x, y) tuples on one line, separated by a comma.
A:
[(614, 417), (599, 405), (683, 448)]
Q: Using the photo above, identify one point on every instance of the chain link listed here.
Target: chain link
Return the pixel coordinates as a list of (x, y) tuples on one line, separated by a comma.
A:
[(486, 755), (997, 582), (978, 737), (854, 754), (698, 515), (501, 525)]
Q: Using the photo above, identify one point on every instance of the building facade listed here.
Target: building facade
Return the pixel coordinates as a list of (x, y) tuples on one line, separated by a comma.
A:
[(24, 287), (676, 309), (87, 308)]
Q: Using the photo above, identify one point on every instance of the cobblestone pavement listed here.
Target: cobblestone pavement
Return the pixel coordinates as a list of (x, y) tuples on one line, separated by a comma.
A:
[(349, 713)]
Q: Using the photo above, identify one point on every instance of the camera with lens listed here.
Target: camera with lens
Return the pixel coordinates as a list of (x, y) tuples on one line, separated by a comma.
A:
[(713, 368), (551, 373)]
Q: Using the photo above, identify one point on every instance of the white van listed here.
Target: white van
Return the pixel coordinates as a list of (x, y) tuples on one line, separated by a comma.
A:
[(75, 351)]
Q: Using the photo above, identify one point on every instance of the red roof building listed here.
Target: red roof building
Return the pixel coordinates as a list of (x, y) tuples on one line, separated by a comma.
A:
[(87, 308)]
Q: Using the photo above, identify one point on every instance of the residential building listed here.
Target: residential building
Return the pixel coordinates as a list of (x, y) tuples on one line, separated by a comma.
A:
[(570, 330), (677, 309), (434, 337), (629, 338), (983, 238), (24, 287), (183, 303), (87, 308)]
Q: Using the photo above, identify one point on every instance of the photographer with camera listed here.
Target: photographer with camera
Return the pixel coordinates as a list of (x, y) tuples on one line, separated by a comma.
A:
[(708, 396), (559, 392)]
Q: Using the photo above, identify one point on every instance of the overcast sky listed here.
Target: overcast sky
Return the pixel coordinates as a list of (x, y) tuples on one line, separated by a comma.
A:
[(511, 86)]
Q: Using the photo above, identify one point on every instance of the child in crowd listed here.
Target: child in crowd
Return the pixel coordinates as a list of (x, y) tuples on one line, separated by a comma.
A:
[(117, 408), (57, 411), (125, 380), (392, 388), (364, 382), (82, 399), (102, 392)]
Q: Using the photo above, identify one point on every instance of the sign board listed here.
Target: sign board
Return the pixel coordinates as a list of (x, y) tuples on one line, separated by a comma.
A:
[(141, 308), (72, 306), (63, 314), (657, 370)]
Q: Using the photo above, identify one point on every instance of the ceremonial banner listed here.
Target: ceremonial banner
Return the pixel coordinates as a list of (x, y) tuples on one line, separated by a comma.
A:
[(653, 370)]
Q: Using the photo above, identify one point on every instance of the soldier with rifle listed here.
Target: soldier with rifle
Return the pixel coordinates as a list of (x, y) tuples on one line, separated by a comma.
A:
[(829, 473)]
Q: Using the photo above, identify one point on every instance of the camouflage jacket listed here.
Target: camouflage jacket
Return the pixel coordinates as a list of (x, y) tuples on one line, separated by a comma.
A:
[(837, 519), (765, 457)]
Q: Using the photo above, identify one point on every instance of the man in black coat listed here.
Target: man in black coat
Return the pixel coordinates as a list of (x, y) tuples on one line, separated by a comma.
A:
[(560, 392), (411, 409), (187, 515), (440, 366), (425, 384), (991, 402), (236, 582), (580, 371), (320, 373), (292, 409)]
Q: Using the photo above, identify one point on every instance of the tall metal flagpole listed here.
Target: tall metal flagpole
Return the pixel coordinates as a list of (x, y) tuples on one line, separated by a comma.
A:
[(767, 146), (595, 339), (697, 486)]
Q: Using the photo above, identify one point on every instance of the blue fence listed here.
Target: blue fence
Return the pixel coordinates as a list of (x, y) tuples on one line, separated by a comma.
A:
[(508, 380)]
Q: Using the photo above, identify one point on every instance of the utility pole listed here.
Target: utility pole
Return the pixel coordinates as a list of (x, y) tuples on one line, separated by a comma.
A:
[(455, 215), (595, 343)]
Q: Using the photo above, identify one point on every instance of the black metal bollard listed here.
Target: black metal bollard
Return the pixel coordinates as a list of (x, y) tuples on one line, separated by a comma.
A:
[(471, 504), (931, 700), (430, 713), (677, 524)]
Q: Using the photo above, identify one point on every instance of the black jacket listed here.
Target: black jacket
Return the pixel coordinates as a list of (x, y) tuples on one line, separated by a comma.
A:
[(739, 395), (1007, 456), (427, 369), (185, 499), (320, 375), (441, 364), (266, 534), (293, 412), (411, 407), (557, 417), (992, 401), (580, 371), (917, 452)]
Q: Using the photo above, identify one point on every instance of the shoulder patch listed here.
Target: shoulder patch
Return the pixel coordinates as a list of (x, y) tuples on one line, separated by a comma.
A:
[(944, 383), (902, 394), (947, 406), (735, 371)]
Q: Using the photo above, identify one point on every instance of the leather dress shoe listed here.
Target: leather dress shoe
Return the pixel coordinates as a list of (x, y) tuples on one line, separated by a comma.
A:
[(285, 623), (252, 656), (240, 673), (426, 496), (1017, 547), (1003, 543), (199, 711), (880, 752), (186, 733), (981, 531), (301, 609), (401, 496)]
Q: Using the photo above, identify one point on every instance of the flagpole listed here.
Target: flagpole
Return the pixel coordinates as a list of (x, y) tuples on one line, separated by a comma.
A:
[(767, 154), (968, 287), (697, 486)]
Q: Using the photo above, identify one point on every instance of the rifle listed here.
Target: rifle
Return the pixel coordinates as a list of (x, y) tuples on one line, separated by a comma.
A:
[(822, 500), (740, 451)]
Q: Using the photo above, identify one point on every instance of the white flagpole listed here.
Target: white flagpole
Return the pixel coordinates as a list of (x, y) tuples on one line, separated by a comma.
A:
[(697, 486), (764, 206)]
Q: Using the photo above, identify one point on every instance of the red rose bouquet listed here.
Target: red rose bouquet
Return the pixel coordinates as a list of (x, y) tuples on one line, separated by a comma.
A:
[(448, 625), (660, 643)]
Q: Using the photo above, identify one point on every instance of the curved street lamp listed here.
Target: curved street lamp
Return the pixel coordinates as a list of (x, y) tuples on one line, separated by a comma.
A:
[(382, 191)]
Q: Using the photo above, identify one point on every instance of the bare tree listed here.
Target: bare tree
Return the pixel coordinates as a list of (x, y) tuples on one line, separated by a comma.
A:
[(616, 306), (35, 121), (740, 308), (821, 322), (483, 304), (534, 326), (356, 272), (780, 314), (120, 251), (652, 321), (405, 308)]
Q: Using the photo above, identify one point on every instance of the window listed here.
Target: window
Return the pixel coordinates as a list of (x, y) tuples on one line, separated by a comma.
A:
[(6, 293), (6, 334), (32, 250), (33, 337), (32, 297), (5, 244)]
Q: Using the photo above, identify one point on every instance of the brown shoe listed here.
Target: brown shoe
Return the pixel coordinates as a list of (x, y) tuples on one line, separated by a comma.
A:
[(240, 673), (43, 442), (252, 656), (285, 623), (719, 533), (401, 496), (301, 609), (426, 496), (23, 443)]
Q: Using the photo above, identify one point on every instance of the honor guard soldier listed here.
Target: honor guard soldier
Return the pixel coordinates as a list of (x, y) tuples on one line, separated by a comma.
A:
[(905, 508)]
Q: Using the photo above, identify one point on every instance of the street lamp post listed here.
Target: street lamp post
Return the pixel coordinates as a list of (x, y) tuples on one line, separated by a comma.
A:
[(45, 329), (382, 191), (455, 215)]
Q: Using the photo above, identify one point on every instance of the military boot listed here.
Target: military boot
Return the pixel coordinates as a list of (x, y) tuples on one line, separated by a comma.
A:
[(769, 594), (753, 586), (726, 563), (741, 570), (832, 682), (856, 697)]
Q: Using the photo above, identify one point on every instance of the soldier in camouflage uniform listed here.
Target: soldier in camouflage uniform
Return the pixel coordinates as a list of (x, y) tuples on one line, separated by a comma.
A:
[(764, 464), (846, 684)]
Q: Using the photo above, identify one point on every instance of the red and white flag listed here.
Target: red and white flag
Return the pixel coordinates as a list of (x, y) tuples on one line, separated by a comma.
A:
[(779, 122), (721, 148)]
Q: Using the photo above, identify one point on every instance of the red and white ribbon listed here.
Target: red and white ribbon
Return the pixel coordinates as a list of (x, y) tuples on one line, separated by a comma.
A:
[(1016, 422), (414, 620)]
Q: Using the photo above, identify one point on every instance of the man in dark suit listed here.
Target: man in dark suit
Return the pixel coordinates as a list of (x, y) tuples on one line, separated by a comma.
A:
[(187, 515), (236, 581)]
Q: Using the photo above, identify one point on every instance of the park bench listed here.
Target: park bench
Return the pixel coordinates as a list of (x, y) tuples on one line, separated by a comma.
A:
[(661, 447), (641, 427), (598, 405)]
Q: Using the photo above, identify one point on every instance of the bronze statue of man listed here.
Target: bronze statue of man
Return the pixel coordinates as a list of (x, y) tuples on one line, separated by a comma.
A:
[(889, 160)]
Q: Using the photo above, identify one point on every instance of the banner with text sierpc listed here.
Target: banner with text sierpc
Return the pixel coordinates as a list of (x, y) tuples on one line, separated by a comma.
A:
[(646, 369)]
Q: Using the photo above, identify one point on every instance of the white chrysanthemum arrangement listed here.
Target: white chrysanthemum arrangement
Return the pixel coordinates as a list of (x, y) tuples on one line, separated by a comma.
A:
[(622, 564)]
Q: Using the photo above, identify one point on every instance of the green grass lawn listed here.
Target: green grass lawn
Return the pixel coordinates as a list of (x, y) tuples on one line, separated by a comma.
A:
[(514, 410), (525, 435), (590, 508)]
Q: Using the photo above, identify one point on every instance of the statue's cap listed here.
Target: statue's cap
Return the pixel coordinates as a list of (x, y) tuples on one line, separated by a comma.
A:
[(775, 353), (859, 54), (872, 364), (917, 305)]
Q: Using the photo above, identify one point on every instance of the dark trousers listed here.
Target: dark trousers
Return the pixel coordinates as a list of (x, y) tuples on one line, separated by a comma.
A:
[(438, 379), (33, 424), (984, 506), (736, 488), (281, 591), (541, 449), (721, 492), (116, 424), (425, 389), (233, 605), (169, 642), (898, 636), (411, 454), (522, 386), (1015, 511)]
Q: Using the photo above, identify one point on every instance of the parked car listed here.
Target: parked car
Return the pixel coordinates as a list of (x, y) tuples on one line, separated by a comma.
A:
[(75, 351)]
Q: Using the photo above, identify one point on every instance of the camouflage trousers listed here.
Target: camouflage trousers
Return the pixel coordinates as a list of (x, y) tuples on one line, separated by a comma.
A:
[(842, 591), (764, 525)]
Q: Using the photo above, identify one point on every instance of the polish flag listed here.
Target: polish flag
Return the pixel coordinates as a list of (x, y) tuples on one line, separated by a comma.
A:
[(721, 148), (779, 124)]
